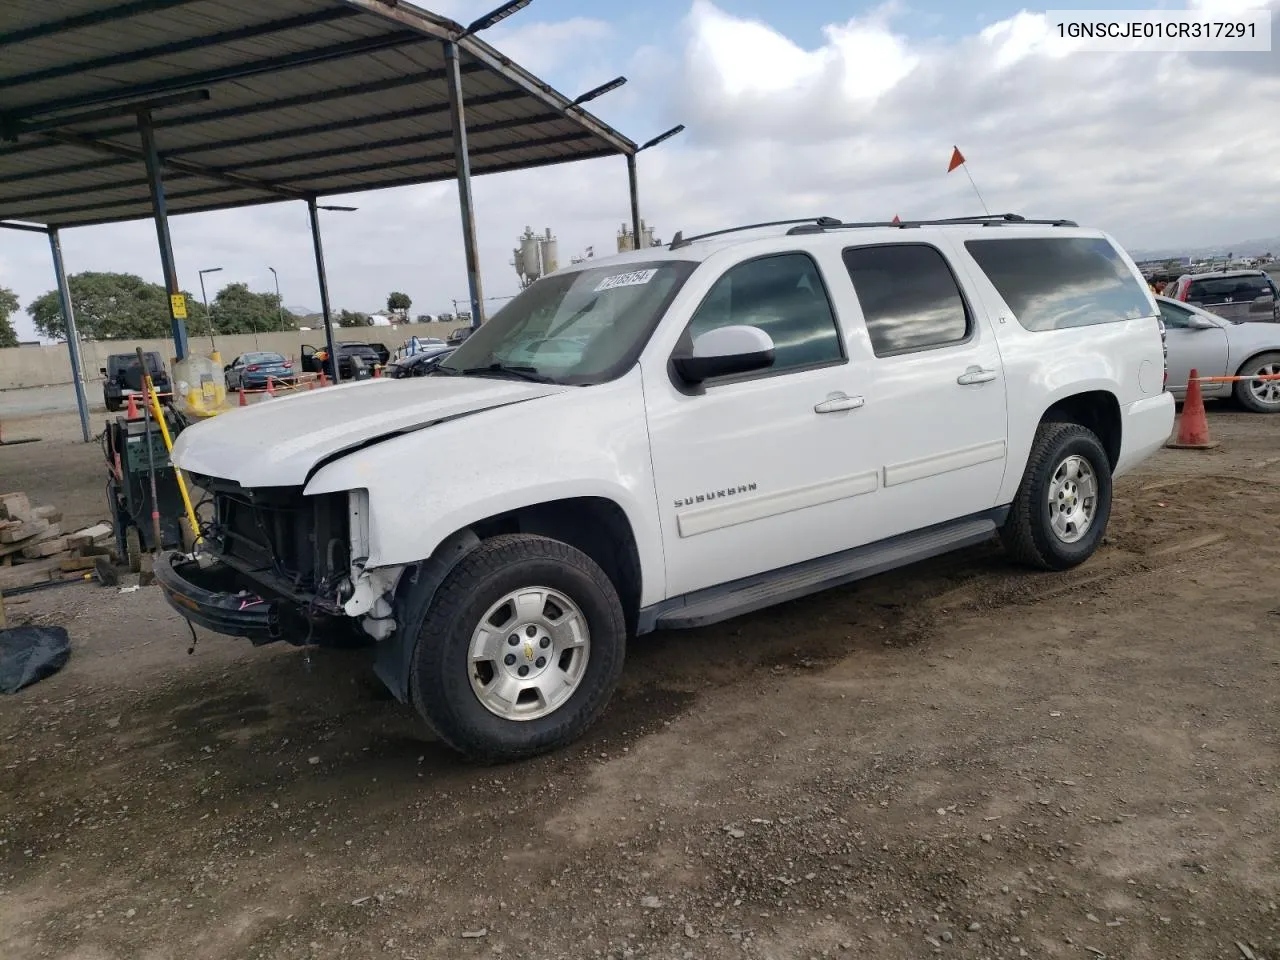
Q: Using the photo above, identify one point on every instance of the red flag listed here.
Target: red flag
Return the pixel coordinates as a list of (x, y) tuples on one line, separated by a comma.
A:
[(895, 219), (957, 158)]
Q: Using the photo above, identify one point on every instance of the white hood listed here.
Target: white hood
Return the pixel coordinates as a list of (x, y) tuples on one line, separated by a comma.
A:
[(276, 443)]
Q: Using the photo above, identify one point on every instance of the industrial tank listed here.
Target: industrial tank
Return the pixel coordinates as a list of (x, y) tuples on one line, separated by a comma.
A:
[(550, 253)]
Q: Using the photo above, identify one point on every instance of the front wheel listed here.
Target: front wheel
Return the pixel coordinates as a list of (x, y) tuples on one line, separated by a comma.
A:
[(520, 650), (1260, 396), (1060, 513)]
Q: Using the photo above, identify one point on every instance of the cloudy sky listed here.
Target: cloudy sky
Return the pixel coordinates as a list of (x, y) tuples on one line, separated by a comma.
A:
[(792, 109)]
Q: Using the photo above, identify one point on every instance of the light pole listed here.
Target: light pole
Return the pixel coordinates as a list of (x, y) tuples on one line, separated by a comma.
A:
[(208, 317), (279, 302)]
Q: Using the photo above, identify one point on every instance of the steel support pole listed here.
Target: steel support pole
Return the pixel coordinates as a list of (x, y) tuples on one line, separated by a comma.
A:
[(635, 197), (462, 162), (73, 338), (314, 212), (155, 177)]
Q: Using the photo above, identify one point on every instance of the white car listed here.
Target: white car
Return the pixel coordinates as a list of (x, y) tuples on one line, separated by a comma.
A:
[(672, 437), (1216, 347)]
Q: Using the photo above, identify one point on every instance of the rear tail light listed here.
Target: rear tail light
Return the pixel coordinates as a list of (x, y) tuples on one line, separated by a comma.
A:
[(1183, 290), (1164, 349), (288, 365), (252, 367)]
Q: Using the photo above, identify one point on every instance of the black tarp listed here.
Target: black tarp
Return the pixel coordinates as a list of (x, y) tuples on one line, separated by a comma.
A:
[(29, 654)]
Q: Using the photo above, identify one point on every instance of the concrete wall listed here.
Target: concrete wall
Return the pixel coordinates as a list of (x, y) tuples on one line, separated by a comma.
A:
[(51, 365)]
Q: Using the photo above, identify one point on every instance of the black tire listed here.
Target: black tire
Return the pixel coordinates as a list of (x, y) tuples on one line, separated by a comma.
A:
[(1028, 533), (1243, 389), (440, 681)]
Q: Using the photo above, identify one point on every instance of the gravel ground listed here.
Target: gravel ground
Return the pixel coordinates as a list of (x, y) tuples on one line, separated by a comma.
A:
[(961, 759)]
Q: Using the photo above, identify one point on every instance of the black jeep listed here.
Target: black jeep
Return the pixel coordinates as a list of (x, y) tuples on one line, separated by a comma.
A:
[(123, 376)]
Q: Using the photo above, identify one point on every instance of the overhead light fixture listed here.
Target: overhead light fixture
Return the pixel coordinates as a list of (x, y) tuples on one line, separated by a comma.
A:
[(494, 17), (341, 209), (600, 91), (660, 138)]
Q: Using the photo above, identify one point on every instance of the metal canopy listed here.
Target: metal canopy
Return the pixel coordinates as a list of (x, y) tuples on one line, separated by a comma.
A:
[(254, 102)]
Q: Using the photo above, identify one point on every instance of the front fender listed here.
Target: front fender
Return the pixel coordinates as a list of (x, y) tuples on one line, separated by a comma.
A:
[(424, 486)]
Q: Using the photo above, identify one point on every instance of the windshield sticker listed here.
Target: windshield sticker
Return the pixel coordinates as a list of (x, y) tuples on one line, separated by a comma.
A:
[(634, 279)]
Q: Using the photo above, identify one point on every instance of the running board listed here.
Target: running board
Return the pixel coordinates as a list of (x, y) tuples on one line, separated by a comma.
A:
[(715, 604)]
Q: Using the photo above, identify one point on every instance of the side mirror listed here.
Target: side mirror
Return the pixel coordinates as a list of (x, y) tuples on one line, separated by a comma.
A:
[(1201, 323), (726, 351)]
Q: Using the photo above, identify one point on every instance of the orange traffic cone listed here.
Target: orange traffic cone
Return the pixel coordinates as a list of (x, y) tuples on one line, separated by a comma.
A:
[(244, 402), (1193, 426), (271, 386), (324, 381), (132, 411), (377, 370)]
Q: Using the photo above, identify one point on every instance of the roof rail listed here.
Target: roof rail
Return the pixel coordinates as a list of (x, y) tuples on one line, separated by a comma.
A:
[(680, 240), (986, 220)]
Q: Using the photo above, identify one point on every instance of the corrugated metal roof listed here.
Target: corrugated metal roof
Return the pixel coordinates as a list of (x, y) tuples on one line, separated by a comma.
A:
[(305, 97)]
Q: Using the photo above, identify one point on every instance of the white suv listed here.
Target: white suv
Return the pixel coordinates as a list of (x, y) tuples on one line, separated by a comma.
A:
[(673, 437)]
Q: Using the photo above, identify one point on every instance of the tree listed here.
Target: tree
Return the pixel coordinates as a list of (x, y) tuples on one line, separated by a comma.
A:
[(399, 303), (111, 306), (237, 309), (349, 318), (8, 307)]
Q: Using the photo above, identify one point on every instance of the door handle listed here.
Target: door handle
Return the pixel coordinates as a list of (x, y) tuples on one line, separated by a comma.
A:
[(838, 402), (975, 375)]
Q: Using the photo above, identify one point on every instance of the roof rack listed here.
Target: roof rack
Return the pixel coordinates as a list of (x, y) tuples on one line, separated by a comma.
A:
[(986, 220), (680, 240)]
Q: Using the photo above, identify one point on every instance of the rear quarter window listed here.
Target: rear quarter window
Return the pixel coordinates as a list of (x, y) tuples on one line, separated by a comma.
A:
[(1053, 283)]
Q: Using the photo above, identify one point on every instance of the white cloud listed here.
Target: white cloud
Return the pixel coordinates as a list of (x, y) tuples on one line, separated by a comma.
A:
[(1157, 148)]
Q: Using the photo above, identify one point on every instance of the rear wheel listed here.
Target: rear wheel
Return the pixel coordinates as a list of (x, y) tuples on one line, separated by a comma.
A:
[(1260, 396), (1061, 511), (520, 650)]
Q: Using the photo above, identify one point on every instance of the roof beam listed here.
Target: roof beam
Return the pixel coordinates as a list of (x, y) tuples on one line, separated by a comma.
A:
[(355, 188), (105, 113), (340, 125), (28, 227), (409, 141), (324, 154), (182, 46), (207, 78), (439, 157), (90, 19), (142, 198), (125, 153)]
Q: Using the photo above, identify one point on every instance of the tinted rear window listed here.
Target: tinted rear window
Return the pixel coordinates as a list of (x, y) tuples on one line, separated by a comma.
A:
[(1051, 283), (1220, 289)]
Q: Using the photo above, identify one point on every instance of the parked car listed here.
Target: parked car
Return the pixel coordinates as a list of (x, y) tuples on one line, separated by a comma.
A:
[(457, 335), (122, 376), (1234, 294), (384, 355), (252, 371), (419, 364), (745, 418), (1215, 347), (415, 345), (314, 360)]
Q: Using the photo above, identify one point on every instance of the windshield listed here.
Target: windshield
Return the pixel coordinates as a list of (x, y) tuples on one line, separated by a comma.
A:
[(582, 327), (263, 358)]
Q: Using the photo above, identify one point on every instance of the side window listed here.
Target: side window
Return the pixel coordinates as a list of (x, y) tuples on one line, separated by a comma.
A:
[(1173, 316), (909, 297), (1052, 283), (782, 295)]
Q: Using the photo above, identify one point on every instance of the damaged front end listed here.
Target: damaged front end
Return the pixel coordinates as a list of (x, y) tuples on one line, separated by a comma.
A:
[(274, 564)]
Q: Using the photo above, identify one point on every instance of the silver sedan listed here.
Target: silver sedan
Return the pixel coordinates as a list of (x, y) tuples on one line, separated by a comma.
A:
[(1215, 347)]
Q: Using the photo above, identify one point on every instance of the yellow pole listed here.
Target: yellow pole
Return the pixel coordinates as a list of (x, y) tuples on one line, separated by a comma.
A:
[(154, 402)]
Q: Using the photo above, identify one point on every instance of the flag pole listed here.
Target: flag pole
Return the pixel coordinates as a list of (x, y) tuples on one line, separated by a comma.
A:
[(975, 188)]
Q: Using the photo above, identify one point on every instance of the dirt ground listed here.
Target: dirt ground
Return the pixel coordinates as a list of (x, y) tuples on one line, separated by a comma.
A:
[(959, 759)]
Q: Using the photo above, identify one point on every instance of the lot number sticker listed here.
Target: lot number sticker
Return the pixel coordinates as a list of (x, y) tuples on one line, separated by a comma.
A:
[(635, 279)]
